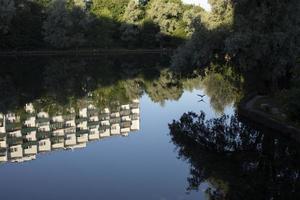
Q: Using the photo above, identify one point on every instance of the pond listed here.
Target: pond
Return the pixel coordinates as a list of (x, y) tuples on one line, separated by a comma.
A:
[(102, 128)]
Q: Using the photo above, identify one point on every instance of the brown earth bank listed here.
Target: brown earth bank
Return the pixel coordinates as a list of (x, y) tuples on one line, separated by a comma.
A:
[(267, 116)]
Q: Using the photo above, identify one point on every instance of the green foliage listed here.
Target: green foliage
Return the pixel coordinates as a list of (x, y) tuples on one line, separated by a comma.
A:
[(66, 24), (107, 96), (207, 33), (149, 34), (166, 14), (255, 36), (200, 50), (192, 17), (264, 38), (221, 14), (165, 87), (116, 7), (65, 28), (79, 3), (130, 30), (221, 91), (133, 12)]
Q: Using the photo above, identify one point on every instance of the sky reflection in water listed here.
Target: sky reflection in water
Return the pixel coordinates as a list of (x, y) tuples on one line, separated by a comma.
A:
[(141, 166)]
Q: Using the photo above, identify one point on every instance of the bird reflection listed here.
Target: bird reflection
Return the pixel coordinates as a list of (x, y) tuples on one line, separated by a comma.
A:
[(201, 100)]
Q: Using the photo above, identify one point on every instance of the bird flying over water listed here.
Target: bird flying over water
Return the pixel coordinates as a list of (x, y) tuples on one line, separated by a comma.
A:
[(201, 95)]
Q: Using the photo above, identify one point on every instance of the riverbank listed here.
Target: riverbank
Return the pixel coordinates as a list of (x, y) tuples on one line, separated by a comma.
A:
[(266, 115), (84, 52)]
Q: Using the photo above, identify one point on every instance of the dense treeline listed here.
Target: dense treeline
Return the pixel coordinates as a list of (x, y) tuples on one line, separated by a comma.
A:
[(253, 35), (66, 24), (259, 38)]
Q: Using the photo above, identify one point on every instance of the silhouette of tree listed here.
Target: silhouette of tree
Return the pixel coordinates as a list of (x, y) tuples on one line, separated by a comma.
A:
[(238, 161)]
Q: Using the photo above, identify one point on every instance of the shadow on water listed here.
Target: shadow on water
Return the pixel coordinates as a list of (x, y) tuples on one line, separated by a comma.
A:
[(60, 80), (64, 102), (238, 160)]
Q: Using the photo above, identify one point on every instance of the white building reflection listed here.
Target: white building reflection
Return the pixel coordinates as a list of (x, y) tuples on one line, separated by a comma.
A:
[(23, 137)]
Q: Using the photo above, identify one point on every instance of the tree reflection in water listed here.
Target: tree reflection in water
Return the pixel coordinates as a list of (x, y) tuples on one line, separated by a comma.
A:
[(237, 161), (106, 79), (222, 93)]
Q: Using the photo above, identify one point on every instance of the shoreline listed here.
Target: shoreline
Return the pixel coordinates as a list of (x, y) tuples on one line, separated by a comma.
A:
[(247, 110), (84, 52)]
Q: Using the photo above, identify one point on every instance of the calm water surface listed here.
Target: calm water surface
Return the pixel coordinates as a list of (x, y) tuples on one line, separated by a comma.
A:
[(143, 165), (145, 159)]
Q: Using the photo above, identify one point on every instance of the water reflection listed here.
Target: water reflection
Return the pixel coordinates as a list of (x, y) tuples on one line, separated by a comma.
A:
[(240, 162), (223, 87), (67, 87), (62, 81), (74, 101), (24, 135)]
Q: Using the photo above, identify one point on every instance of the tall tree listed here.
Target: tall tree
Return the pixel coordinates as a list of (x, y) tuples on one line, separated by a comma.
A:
[(65, 27), (133, 12), (131, 19), (192, 17), (116, 7), (165, 13)]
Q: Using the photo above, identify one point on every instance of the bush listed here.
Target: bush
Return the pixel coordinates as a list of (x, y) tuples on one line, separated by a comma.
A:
[(292, 104)]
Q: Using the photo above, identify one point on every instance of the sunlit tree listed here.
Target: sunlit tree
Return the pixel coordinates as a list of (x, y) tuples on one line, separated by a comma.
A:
[(133, 12), (166, 13)]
